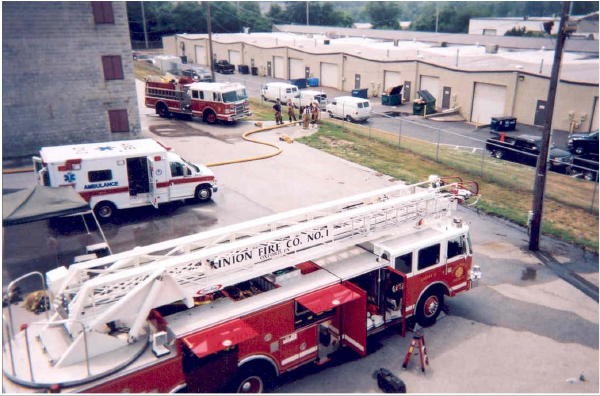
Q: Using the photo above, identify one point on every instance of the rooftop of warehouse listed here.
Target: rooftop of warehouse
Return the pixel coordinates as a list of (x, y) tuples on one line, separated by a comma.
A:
[(576, 66)]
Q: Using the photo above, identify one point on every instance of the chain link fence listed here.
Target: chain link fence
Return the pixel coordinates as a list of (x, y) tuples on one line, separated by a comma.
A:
[(475, 160)]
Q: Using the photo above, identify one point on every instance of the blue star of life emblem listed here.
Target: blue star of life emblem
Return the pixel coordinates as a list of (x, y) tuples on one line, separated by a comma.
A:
[(69, 177), (105, 148)]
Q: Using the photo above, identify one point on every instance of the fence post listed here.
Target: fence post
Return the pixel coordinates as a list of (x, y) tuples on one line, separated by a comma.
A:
[(594, 193), (437, 146), (400, 133), (482, 160)]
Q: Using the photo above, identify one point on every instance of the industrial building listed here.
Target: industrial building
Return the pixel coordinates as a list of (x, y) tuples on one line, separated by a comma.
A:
[(494, 76), (67, 75)]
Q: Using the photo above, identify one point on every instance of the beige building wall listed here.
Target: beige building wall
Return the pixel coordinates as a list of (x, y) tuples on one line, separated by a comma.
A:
[(574, 101)]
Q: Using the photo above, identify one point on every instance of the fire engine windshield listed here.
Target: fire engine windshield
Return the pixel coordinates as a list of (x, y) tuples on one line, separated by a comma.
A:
[(234, 96)]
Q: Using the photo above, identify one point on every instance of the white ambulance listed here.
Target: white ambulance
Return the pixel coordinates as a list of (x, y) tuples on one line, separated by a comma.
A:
[(349, 108), (124, 174), (279, 90)]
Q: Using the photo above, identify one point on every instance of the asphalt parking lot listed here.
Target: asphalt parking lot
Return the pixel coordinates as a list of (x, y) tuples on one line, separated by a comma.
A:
[(510, 335)]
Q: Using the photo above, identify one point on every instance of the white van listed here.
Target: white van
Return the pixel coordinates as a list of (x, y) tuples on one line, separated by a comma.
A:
[(349, 108), (124, 174), (307, 96), (279, 90)]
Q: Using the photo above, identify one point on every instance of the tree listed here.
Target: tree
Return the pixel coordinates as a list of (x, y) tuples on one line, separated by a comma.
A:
[(277, 15), (383, 15)]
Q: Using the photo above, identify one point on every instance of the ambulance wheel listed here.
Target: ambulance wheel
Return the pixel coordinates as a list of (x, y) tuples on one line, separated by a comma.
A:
[(429, 307), (348, 118), (105, 210), (253, 378), (203, 193), (162, 110), (330, 114), (210, 117)]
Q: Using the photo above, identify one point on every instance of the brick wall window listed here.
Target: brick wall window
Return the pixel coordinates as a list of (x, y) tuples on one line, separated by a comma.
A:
[(103, 12), (113, 67), (118, 120)]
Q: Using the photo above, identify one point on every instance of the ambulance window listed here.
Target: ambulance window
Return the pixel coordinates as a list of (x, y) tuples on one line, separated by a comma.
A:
[(404, 263), (100, 175), (195, 94), (176, 169), (360, 105), (366, 104), (456, 247), (429, 256), (288, 90)]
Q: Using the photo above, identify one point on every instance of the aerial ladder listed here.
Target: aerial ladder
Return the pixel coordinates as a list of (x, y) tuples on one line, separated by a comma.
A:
[(102, 305)]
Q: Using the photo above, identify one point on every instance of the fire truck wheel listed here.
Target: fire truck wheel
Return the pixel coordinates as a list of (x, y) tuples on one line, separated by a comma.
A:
[(253, 378), (203, 193), (162, 110), (210, 117), (429, 307), (104, 210)]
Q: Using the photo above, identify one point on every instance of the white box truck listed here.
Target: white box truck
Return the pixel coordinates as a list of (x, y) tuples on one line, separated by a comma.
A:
[(349, 108), (124, 174)]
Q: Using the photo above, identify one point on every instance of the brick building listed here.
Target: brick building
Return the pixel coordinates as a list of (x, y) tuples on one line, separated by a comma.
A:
[(67, 75)]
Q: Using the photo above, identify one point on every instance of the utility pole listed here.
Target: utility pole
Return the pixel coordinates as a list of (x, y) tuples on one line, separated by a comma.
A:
[(210, 48), (541, 168), (307, 14), (144, 24)]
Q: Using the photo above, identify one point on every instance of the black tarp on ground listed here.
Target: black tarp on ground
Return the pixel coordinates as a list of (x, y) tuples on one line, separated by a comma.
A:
[(39, 203)]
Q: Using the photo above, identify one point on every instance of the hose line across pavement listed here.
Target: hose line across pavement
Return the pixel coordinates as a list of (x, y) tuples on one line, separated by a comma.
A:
[(236, 161)]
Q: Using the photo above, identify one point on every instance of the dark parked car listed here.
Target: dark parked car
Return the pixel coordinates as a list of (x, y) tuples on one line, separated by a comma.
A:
[(224, 67), (585, 167), (525, 149), (585, 144)]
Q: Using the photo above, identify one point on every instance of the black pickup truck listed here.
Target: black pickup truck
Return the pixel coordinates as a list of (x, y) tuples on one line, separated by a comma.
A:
[(224, 67)]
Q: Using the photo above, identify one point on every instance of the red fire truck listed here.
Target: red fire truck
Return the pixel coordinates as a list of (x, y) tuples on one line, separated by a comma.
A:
[(231, 309), (210, 101)]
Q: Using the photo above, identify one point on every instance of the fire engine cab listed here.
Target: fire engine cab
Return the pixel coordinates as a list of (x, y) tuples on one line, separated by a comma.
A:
[(210, 101), (124, 174), (230, 309)]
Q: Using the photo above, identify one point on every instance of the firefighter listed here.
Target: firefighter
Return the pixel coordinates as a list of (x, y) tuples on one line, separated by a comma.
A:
[(277, 109), (305, 117), (314, 106), (291, 111)]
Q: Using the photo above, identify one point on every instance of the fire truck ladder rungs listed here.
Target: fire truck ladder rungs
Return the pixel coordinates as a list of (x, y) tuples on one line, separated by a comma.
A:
[(104, 294)]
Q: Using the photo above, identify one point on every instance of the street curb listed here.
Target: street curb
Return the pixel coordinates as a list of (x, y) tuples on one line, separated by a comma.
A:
[(17, 170)]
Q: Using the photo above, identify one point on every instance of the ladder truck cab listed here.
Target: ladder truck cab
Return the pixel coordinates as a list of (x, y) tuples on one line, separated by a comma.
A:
[(124, 174), (231, 309), (211, 101)]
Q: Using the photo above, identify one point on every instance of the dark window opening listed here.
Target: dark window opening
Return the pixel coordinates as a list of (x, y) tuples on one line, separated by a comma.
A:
[(118, 120), (303, 316), (176, 169), (456, 247), (103, 12), (113, 67), (100, 175), (404, 263), (429, 256)]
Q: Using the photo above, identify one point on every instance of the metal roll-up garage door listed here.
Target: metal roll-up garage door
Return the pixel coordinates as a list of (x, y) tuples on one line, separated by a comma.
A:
[(200, 52), (235, 57), (431, 84), (488, 101), (296, 68), (329, 75), (391, 79), (279, 63)]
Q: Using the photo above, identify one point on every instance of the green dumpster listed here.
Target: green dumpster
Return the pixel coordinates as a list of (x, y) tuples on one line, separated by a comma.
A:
[(425, 104), (391, 100)]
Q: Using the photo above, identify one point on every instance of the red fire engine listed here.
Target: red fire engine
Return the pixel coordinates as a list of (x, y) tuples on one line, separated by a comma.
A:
[(230, 309), (207, 100)]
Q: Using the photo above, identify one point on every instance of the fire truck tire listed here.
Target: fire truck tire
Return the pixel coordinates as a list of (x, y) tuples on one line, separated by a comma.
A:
[(209, 117), (162, 110), (203, 193), (429, 307), (255, 377), (105, 210)]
